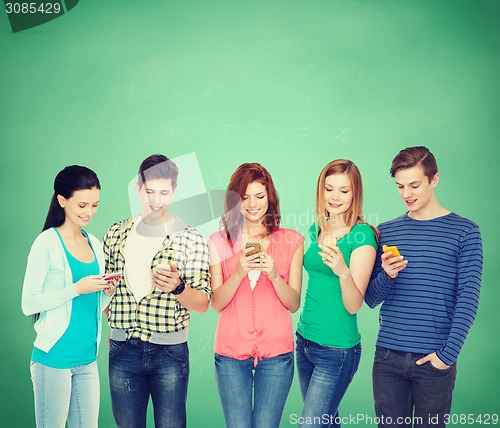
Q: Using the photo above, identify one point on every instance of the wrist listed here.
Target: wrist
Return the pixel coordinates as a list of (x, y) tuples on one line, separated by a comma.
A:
[(180, 288), (344, 274)]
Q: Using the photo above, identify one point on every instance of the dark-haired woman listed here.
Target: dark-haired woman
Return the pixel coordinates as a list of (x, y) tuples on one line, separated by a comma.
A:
[(64, 291), (254, 295)]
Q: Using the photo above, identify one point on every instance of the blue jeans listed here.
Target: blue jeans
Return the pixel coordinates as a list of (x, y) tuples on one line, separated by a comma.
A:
[(271, 380), (138, 370), (66, 394), (325, 373), (409, 395)]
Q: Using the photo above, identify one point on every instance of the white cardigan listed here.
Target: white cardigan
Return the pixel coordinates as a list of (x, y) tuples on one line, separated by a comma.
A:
[(48, 288)]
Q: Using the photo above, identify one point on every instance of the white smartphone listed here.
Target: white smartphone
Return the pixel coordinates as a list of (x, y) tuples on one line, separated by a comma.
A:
[(163, 266), (110, 276)]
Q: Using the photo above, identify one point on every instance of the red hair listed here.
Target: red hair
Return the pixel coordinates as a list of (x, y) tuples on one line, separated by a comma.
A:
[(232, 219)]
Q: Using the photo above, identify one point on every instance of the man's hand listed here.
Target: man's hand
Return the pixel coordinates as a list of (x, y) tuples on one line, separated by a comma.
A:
[(392, 265), (166, 280), (434, 360)]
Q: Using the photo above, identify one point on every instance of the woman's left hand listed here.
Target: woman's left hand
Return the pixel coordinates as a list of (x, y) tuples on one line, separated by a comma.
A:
[(110, 290), (332, 257), (265, 263)]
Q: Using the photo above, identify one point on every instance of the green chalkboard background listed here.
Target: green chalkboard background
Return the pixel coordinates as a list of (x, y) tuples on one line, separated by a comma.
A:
[(290, 84)]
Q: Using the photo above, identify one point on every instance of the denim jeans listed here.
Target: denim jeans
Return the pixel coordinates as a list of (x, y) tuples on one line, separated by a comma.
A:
[(66, 394), (271, 380), (324, 374), (138, 370), (408, 395)]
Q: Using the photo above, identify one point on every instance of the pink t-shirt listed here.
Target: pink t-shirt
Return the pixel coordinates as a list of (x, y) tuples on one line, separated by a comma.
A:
[(255, 323)]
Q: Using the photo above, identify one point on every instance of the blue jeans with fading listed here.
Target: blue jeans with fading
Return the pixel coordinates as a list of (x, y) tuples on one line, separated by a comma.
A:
[(62, 395), (270, 380), (138, 370), (324, 373)]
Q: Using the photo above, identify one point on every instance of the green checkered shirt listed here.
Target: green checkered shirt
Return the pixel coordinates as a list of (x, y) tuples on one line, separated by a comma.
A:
[(159, 311)]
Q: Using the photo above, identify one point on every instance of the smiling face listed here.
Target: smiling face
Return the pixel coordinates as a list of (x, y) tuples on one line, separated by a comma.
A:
[(80, 207), (416, 190), (156, 195), (337, 194), (254, 203)]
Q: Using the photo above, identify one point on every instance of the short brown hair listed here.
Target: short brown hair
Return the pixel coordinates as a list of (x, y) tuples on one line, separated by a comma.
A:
[(413, 156), (157, 167)]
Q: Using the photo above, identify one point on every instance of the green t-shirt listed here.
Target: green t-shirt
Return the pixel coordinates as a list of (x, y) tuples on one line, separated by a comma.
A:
[(324, 318)]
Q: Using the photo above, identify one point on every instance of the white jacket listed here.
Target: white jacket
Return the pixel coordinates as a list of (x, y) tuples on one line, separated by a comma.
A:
[(48, 288)]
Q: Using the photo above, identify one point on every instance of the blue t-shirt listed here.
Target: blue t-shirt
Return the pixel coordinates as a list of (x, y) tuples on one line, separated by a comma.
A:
[(78, 345)]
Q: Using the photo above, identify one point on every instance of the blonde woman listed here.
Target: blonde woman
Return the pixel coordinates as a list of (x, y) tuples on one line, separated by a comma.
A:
[(339, 262)]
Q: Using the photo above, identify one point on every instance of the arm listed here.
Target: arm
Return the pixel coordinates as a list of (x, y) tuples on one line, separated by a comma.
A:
[(353, 279), (44, 285), (288, 293), (196, 294), (383, 277), (469, 272), (36, 298), (109, 266), (223, 292)]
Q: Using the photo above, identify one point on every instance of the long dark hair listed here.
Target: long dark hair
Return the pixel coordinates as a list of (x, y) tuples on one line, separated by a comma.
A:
[(71, 178)]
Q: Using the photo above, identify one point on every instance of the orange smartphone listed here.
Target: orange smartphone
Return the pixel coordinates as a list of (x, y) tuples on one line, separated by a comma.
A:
[(393, 249)]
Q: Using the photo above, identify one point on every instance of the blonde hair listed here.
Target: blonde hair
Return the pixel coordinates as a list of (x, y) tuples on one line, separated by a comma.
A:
[(354, 214)]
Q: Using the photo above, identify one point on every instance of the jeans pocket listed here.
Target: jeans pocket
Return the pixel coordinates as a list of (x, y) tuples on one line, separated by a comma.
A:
[(286, 359), (381, 354), (178, 352), (115, 347), (436, 369)]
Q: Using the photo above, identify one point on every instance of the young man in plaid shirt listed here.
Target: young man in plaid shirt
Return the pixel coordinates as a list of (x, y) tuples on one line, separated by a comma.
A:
[(164, 269)]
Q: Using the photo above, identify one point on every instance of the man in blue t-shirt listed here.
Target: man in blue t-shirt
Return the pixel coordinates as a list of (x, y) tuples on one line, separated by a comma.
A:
[(430, 295)]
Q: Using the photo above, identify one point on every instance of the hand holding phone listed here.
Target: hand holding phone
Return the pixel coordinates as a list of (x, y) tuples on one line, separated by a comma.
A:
[(393, 263)]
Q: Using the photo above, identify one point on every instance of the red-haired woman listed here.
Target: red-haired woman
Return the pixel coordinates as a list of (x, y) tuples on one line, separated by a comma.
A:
[(254, 295)]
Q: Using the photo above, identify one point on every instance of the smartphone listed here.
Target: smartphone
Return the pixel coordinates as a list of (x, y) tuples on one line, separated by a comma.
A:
[(163, 266), (111, 276), (329, 241), (393, 249), (256, 248)]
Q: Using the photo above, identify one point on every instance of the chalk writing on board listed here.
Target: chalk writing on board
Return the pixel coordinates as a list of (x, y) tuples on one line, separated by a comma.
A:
[(227, 126), (306, 71), (255, 137), (279, 137), (348, 122), (312, 34), (306, 127)]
